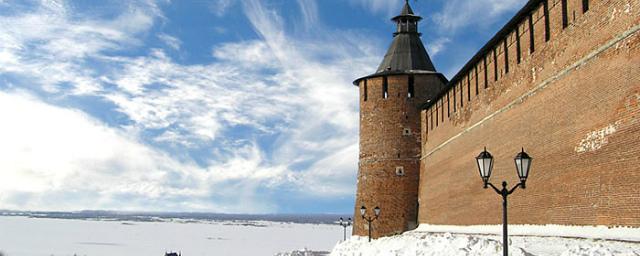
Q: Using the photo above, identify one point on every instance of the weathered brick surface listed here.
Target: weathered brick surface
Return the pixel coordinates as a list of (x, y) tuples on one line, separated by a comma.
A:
[(385, 146), (573, 104)]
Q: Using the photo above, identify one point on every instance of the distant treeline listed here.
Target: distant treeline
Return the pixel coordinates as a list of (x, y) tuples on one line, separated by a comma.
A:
[(161, 216)]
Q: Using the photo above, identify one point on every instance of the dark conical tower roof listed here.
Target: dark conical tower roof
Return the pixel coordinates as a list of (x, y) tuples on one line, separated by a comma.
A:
[(406, 54), (407, 51), (406, 10)]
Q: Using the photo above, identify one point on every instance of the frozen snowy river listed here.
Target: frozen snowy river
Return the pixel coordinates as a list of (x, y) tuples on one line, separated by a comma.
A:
[(24, 236)]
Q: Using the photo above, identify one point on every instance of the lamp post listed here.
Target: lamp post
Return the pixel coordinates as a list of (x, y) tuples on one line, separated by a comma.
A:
[(344, 225), (485, 166), (363, 211)]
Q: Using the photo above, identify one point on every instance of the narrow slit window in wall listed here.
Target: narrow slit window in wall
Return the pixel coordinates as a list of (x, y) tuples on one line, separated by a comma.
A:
[(565, 18), (585, 6), (468, 87), (411, 90), (506, 56), (431, 109), (532, 44), (486, 76), (365, 90), (495, 64), (437, 114), (426, 119), (442, 109), (399, 171), (518, 55), (406, 132), (547, 25), (455, 107), (461, 95), (448, 105), (477, 78), (385, 87)]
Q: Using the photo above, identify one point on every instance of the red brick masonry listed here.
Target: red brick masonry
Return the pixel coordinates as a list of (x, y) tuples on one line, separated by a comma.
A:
[(389, 140), (573, 104)]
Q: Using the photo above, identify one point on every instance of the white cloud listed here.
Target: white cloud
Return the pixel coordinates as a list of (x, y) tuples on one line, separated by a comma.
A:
[(250, 54), (310, 103), (220, 7), (387, 7), (309, 11), (220, 30), (459, 14), (170, 41), (333, 175), (297, 89), (57, 168), (61, 159), (437, 46), (197, 101), (47, 40)]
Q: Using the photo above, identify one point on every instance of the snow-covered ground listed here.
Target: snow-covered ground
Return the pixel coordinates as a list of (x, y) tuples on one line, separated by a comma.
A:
[(23, 236), (487, 240)]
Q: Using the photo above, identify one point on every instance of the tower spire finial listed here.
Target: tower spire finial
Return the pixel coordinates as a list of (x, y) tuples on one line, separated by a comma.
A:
[(407, 21), (406, 10)]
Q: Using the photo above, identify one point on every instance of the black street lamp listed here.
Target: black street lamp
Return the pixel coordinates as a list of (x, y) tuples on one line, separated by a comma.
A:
[(485, 166), (344, 225), (363, 211)]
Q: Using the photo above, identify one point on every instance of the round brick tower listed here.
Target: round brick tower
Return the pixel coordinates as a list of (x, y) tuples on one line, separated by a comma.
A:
[(390, 100)]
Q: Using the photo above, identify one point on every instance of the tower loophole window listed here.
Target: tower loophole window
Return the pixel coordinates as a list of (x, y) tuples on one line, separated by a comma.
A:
[(385, 88), (400, 171), (585, 6), (365, 90), (406, 132), (547, 26), (565, 13), (411, 91)]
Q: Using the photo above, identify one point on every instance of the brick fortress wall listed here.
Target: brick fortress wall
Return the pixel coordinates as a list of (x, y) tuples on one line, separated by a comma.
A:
[(570, 97), (390, 150)]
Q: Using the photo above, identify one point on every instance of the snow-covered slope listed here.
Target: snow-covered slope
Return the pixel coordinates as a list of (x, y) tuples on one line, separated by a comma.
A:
[(486, 240)]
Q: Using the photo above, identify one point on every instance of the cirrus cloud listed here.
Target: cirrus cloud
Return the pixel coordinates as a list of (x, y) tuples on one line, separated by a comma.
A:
[(274, 113)]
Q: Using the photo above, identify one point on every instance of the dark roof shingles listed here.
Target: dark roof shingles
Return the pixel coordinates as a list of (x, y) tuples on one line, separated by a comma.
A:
[(406, 53)]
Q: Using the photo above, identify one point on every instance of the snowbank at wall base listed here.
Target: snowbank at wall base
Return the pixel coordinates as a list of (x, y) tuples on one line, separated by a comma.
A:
[(525, 240)]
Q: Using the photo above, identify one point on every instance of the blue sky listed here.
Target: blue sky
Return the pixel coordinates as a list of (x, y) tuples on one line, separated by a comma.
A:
[(201, 105)]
